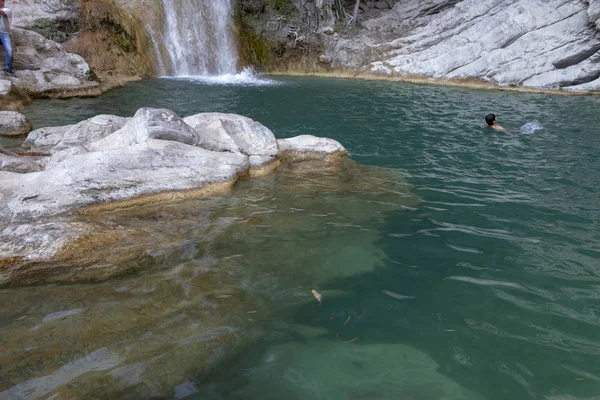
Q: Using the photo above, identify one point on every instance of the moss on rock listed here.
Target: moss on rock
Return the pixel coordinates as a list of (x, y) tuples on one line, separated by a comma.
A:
[(113, 42)]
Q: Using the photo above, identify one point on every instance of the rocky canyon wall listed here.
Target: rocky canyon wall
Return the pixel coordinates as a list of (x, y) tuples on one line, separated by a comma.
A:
[(522, 43)]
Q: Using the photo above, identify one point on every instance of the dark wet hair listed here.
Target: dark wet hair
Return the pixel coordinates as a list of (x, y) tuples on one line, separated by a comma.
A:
[(490, 118)]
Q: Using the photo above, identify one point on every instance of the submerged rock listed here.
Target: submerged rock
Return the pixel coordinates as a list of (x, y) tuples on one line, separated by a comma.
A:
[(109, 162)]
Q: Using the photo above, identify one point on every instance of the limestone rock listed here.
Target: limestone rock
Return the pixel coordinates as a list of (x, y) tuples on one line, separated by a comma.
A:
[(13, 123), (56, 139), (235, 133), (146, 124), (382, 5), (349, 52), (25, 12), (19, 164), (308, 147), (44, 67), (533, 43), (594, 12), (44, 139), (119, 174), (211, 134), (5, 87), (89, 131), (109, 162)]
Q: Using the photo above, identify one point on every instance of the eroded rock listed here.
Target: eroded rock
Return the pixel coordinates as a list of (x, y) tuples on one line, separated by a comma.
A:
[(45, 68), (26, 12), (146, 124), (89, 131), (235, 133), (530, 43)]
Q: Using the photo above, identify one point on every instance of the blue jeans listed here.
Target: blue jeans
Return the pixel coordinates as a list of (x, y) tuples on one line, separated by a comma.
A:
[(6, 40)]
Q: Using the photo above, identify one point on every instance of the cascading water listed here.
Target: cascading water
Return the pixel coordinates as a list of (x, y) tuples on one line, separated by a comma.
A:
[(197, 37)]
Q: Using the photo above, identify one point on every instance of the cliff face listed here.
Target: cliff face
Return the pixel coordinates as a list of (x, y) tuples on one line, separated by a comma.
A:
[(109, 34), (529, 43), (533, 43)]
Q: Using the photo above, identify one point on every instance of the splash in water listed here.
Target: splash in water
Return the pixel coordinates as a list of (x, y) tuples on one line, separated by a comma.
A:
[(530, 127), (245, 78)]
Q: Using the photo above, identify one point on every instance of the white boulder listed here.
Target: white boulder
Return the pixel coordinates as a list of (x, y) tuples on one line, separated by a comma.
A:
[(308, 147), (44, 139), (13, 123), (235, 133)]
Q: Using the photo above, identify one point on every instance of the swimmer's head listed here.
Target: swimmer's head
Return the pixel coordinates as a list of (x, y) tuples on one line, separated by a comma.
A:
[(490, 119)]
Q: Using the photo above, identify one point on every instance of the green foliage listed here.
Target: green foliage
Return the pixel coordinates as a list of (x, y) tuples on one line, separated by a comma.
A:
[(284, 7), (254, 50), (100, 16), (119, 37), (56, 30)]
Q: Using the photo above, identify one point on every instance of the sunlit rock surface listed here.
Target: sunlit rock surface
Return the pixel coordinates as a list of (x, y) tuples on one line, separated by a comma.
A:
[(530, 43)]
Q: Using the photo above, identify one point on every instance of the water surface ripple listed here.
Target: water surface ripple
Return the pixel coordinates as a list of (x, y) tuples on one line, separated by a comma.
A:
[(458, 263)]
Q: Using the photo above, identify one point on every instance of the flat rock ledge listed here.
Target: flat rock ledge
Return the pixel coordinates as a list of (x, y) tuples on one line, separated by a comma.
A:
[(109, 163)]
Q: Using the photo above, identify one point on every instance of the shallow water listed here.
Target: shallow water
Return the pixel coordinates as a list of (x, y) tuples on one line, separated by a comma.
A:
[(457, 263)]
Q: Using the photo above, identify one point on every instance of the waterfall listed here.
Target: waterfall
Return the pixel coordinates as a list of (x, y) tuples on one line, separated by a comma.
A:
[(197, 38)]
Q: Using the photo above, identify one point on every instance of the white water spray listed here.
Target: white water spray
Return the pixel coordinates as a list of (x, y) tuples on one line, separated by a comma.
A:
[(530, 127), (198, 39)]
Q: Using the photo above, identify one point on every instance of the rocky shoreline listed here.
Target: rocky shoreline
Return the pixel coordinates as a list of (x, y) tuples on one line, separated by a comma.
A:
[(515, 45), (423, 80), (518, 44), (110, 163)]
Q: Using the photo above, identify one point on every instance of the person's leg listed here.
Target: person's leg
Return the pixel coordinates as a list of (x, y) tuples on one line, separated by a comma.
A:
[(8, 50), (8, 47)]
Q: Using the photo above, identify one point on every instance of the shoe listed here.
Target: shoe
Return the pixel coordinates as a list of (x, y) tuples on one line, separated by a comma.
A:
[(10, 73)]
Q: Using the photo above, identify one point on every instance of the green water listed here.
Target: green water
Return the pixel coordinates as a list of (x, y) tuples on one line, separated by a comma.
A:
[(494, 238)]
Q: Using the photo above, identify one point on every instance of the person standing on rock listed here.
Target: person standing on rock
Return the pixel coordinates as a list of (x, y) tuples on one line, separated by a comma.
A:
[(5, 38)]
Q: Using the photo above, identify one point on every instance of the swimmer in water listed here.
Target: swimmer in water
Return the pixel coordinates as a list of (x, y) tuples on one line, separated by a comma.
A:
[(492, 122)]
